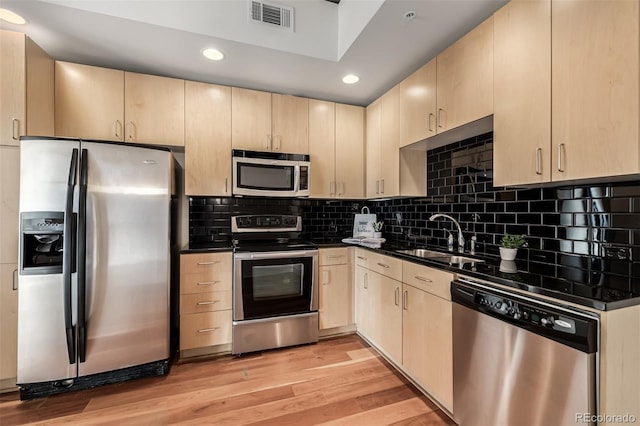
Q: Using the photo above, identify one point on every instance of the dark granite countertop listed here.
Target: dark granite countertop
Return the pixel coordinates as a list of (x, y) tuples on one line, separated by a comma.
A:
[(208, 247), (597, 297)]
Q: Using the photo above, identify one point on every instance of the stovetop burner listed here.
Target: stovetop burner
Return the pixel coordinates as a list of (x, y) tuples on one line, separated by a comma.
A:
[(268, 233)]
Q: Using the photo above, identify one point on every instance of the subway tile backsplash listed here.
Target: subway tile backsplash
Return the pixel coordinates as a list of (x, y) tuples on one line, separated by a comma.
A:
[(573, 232)]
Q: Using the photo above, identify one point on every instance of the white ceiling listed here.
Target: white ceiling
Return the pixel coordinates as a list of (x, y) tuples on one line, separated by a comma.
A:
[(370, 38)]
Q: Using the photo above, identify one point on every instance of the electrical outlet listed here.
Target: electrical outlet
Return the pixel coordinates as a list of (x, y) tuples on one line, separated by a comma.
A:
[(617, 252)]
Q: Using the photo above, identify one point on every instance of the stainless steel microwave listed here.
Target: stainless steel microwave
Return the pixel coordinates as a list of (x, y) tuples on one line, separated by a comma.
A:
[(270, 174)]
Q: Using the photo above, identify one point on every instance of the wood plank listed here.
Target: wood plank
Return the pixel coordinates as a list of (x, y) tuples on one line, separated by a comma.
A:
[(337, 381)]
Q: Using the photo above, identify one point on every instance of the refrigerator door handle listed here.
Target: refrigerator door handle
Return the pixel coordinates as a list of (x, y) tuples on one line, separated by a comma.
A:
[(82, 256), (67, 257)]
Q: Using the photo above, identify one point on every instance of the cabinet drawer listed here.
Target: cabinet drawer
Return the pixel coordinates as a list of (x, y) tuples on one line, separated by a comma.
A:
[(205, 302), (384, 265), (205, 272), (205, 329), (431, 280), (334, 256)]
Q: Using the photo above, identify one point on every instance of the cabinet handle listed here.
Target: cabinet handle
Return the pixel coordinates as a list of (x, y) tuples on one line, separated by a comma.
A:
[(278, 142), (332, 188), (439, 118), (213, 262), (325, 277), (405, 300), (383, 265), (226, 185), (396, 296), (426, 280), (382, 186), (366, 281), (131, 131), (118, 126), (538, 161), (560, 150), (207, 330), (377, 187), (208, 282), (14, 280), (207, 303), (429, 122), (15, 129), (361, 257), (335, 256), (340, 188)]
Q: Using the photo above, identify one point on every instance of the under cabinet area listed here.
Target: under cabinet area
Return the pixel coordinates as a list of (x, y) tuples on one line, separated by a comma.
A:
[(205, 302), (336, 288)]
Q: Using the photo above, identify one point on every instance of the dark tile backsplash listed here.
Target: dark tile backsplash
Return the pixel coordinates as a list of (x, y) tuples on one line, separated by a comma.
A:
[(569, 229)]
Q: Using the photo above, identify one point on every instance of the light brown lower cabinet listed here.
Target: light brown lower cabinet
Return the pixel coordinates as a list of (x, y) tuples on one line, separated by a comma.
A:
[(336, 288), (205, 301)]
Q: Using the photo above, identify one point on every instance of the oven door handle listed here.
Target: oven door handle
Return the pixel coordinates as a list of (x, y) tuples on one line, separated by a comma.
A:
[(277, 255)]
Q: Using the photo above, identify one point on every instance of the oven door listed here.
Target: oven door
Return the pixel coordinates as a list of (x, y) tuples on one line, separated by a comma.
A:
[(270, 284)]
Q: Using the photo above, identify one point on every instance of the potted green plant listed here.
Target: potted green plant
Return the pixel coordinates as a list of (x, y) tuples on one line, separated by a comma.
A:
[(510, 245), (377, 229)]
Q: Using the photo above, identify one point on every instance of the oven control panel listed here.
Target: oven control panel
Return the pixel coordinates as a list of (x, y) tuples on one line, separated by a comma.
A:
[(525, 313)]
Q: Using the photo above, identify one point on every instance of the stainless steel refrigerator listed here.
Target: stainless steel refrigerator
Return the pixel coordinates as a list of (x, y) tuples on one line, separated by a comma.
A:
[(94, 279)]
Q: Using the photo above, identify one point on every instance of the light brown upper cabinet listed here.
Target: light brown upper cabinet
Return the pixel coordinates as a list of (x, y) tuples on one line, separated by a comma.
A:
[(595, 78), (581, 60), (391, 171), (154, 109), (465, 79), (336, 147), (26, 85), (207, 144), (522, 93), (262, 121), (418, 106), (100, 103), (89, 102)]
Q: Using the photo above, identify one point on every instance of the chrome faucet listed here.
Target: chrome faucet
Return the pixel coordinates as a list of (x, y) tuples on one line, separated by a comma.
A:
[(460, 237)]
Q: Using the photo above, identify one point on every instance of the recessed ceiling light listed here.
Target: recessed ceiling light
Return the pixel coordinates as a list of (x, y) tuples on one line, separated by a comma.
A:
[(213, 54), (11, 17), (350, 79)]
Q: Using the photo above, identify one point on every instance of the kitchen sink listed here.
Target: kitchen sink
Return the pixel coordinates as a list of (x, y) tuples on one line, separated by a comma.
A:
[(439, 256)]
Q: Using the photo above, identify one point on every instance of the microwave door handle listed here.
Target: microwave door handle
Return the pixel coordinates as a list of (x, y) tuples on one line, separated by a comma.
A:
[(296, 179)]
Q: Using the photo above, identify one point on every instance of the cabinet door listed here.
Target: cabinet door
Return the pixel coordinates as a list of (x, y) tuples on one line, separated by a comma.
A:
[(13, 81), (418, 105), (364, 318), (154, 109), (465, 79), (290, 124), (428, 343), (9, 203), (595, 77), (349, 151), (9, 321), (386, 309), (372, 150), (89, 102), (250, 119), (335, 296), (207, 145), (522, 93), (389, 143), (322, 148)]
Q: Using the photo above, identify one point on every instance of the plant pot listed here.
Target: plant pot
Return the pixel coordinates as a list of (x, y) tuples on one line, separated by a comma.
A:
[(508, 253), (377, 235)]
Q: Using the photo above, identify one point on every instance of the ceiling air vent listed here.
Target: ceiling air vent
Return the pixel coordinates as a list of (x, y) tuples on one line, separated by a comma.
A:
[(271, 13)]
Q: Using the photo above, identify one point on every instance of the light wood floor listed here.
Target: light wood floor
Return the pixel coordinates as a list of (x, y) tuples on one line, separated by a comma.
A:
[(340, 381)]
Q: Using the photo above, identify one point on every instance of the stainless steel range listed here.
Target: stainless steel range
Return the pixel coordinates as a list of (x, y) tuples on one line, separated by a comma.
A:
[(275, 294)]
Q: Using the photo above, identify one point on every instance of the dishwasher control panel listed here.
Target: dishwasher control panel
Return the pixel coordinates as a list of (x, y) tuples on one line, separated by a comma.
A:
[(525, 313)]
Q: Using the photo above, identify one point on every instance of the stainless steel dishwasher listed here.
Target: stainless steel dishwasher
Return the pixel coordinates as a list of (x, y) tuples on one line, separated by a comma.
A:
[(519, 360)]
